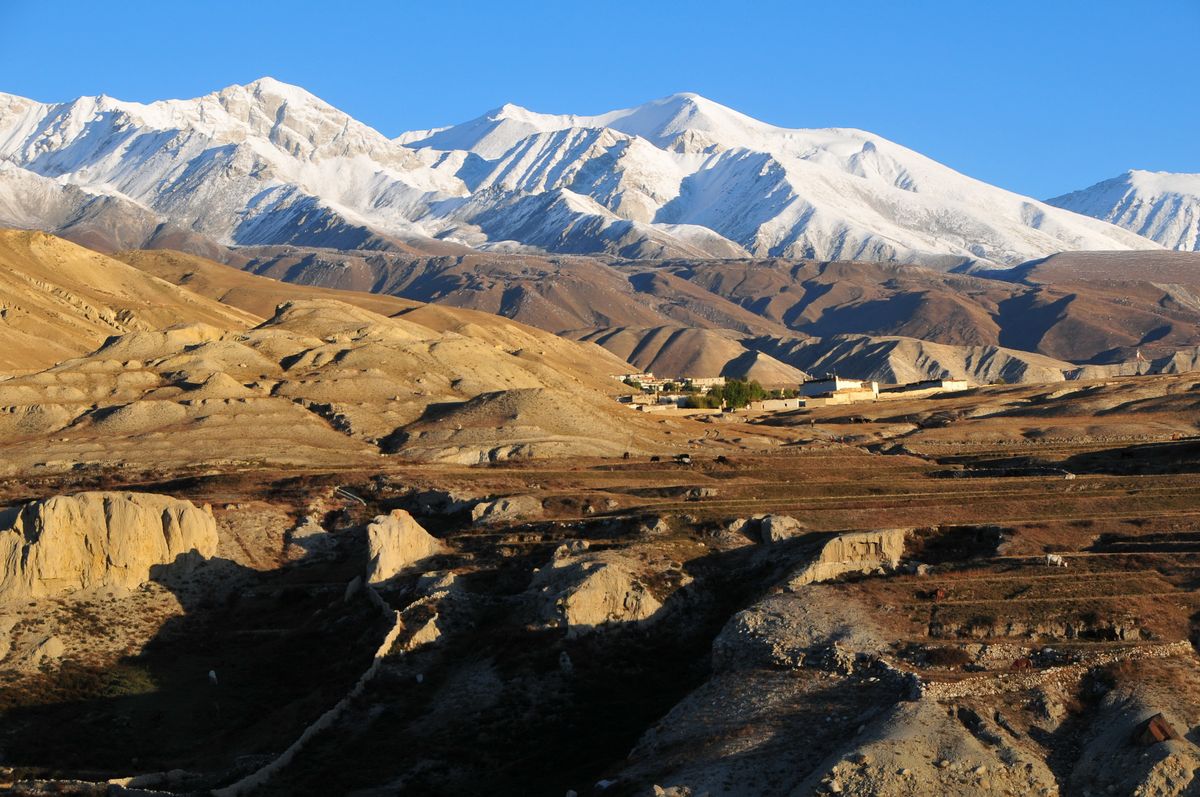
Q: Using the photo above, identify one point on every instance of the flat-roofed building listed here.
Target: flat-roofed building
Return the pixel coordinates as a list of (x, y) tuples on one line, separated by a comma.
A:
[(926, 387), (834, 385)]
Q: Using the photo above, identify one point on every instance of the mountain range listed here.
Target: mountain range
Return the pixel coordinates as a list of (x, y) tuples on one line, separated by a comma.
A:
[(270, 164), (680, 235)]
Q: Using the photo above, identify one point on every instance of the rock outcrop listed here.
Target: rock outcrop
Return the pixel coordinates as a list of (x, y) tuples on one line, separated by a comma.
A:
[(854, 552), (1118, 757), (583, 592), (921, 748), (394, 543), (777, 528), (96, 539), (502, 510), (787, 630)]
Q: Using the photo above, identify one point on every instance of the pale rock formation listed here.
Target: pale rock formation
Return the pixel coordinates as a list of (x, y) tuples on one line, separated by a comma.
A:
[(854, 552), (39, 651), (515, 507), (787, 629), (589, 590), (437, 584), (654, 527), (312, 539), (427, 632), (96, 539), (777, 528), (394, 543)]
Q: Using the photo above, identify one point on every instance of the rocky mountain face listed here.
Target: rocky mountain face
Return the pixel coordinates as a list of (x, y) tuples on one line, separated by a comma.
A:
[(1161, 206), (269, 163)]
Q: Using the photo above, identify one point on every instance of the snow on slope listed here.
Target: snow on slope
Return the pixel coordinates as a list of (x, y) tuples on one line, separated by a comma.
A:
[(269, 163), (1161, 206), (232, 165), (826, 194)]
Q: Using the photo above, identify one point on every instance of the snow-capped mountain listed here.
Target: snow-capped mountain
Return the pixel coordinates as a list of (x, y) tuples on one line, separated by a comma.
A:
[(1162, 206), (269, 163)]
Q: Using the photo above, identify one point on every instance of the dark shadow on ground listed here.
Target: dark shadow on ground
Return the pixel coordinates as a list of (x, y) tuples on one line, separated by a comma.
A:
[(284, 645), (497, 711)]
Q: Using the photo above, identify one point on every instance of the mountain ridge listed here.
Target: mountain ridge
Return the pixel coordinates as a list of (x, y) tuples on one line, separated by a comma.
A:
[(271, 164)]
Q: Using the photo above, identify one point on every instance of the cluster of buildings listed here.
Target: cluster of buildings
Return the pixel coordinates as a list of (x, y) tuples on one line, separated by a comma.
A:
[(655, 384), (661, 394)]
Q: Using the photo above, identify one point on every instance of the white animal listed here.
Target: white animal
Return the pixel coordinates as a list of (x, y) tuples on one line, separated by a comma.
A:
[(1054, 560), (212, 677)]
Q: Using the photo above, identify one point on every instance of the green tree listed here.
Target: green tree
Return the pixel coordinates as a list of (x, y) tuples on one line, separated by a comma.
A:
[(738, 393)]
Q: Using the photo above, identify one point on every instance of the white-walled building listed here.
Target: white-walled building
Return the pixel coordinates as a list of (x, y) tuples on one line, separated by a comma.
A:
[(835, 384)]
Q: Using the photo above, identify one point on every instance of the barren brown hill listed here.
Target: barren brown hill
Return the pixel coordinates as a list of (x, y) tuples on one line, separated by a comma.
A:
[(548, 291), (1181, 268), (779, 361), (258, 295), (931, 306), (1059, 312), (684, 351), (59, 300), (321, 381), (897, 360), (261, 295), (856, 297)]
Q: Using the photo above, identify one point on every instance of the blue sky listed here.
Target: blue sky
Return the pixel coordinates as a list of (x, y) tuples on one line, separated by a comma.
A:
[(1039, 97)]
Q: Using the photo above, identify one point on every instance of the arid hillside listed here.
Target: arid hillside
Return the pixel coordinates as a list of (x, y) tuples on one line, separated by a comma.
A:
[(59, 300), (190, 380), (1103, 309), (1075, 314)]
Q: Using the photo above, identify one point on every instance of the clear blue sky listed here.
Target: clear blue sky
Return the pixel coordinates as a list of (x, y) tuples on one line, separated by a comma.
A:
[(1040, 97)]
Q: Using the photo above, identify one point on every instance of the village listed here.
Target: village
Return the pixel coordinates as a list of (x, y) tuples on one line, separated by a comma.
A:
[(716, 394)]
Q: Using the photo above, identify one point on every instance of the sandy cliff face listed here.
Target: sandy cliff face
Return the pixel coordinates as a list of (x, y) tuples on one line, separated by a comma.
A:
[(96, 539), (855, 552)]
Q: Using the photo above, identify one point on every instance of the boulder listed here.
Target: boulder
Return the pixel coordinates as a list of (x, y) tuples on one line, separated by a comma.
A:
[(38, 652), (583, 592), (777, 528), (395, 542), (96, 539), (310, 538), (654, 527), (502, 510), (440, 502)]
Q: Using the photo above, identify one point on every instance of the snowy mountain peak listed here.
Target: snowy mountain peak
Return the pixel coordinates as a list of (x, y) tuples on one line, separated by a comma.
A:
[(1162, 206), (510, 111), (663, 119), (269, 85)]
